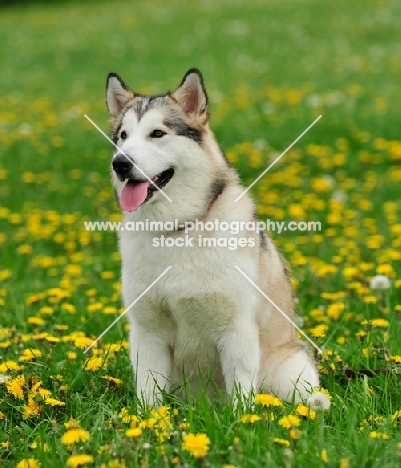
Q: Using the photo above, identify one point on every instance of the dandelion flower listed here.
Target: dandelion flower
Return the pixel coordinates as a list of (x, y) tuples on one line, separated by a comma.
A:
[(319, 400), (250, 418), (15, 387), (54, 402), (133, 432), (305, 411), (396, 359), (380, 282), (31, 409), (396, 416), (10, 365), (74, 436), (279, 441), (197, 445), (28, 463), (265, 399), (78, 460), (113, 380), (378, 435), (94, 364), (289, 421)]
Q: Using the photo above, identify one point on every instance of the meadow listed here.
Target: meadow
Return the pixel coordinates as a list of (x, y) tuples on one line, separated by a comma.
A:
[(271, 68)]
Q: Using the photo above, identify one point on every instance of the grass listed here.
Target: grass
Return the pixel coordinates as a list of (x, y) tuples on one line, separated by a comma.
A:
[(270, 71)]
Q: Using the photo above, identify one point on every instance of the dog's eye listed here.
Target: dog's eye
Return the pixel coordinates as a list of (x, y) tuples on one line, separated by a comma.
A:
[(123, 135), (157, 134)]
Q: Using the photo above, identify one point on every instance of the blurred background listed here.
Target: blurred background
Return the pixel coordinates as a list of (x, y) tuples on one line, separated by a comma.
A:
[(269, 68)]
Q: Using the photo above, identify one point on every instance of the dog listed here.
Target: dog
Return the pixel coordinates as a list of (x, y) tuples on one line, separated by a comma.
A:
[(202, 317)]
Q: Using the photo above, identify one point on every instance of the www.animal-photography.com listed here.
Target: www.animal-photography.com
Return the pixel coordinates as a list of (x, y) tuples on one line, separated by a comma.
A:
[(200, 234)]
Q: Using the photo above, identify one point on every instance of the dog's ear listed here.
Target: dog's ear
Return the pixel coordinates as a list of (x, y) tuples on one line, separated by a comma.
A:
[(117, 94), (191, 95)]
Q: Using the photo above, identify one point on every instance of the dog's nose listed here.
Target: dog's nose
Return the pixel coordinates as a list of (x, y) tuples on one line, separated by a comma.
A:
[(121, 164)]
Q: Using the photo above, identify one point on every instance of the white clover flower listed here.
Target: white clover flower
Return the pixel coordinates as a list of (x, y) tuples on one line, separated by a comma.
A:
[(380, 282), (319, 401)]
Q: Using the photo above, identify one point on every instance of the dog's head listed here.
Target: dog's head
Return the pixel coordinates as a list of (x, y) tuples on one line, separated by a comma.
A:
[(163, 142)]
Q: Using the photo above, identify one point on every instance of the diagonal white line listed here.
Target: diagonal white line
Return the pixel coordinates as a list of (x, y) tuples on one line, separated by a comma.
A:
[(277, 159), (126, 310), (129, 159), (278, 308)]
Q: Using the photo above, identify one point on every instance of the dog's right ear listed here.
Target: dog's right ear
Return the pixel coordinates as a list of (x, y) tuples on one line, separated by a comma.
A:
[(191, 96), (117, 94)]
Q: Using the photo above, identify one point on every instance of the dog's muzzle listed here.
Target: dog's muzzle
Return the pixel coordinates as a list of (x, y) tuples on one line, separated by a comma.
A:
[(122, 166)]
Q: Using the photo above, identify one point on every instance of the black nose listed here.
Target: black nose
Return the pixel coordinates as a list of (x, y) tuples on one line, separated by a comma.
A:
[(121, 164)]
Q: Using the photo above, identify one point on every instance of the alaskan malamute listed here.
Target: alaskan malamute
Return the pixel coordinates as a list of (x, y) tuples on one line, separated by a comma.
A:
[(203, 317)]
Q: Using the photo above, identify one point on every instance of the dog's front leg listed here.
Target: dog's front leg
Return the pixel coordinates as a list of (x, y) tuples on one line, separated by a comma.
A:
[(240, 357), (151, 360)]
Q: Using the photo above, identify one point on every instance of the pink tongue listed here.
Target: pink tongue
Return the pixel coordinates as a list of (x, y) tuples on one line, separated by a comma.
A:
[(133, 195)]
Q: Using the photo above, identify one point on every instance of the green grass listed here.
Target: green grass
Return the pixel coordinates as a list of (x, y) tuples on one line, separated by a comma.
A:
[(270, 70)]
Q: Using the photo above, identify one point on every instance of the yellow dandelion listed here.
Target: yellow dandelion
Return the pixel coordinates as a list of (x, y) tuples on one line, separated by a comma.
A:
[(30, 354), (28, 463), (134, 432), (149, 423), (322, 390), (54, 402), (197, 445), (289, 421), (324, 456), (378, 435), (305, 411), (31, 409), (279, 441), (395, 358), (74, 436), (44, 393), (94, 364), (78, 460), (83, 342), (10, 365), (15, 387), (128, 418), (113, 380), (396, 416), (361, 335), (265, 399), (250, 418), (370, 299), (319, 331), (294, 434), (380, 323), (72, 423), (36, 321)]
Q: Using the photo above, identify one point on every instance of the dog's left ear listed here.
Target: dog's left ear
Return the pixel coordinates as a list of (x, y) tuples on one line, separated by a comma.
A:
[(191, 96), (117, 94)]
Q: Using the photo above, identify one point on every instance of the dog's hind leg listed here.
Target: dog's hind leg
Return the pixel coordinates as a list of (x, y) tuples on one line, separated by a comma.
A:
[(288, 371)]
